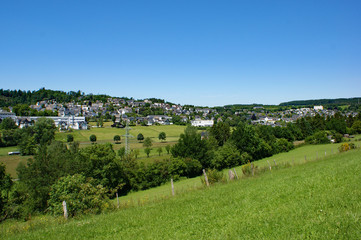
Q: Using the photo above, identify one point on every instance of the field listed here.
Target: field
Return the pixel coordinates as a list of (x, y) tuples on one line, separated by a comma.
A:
[(106, 134), (316, 198)]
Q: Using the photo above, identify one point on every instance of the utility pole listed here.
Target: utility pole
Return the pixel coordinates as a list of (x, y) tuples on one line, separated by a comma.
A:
[(127, 136)]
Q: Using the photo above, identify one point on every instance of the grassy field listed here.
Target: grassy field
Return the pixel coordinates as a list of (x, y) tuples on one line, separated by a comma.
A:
[(107, 133), (317, 199), (104, 135)]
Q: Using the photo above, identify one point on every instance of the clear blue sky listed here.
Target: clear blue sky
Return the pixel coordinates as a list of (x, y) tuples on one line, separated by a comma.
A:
[(208, 53)]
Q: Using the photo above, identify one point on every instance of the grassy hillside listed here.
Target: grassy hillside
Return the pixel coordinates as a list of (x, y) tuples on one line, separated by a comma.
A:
[(319, 199)]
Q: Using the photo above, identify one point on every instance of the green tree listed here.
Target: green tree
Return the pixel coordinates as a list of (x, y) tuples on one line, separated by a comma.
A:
[(147, 151), (8, 124), (140, 137), (5, 187), (44, 130), (191, 145), (116, 138), (69, 138), (356, 126), (162, 136), (81, 194), (121, 153), (167, 148), (160, 150), (221, 132), (147, 142), (93, 138), (226, 156), (136, 153)]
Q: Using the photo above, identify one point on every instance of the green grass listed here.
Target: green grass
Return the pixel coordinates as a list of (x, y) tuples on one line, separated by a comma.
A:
[(107, 133), (11, 161), (318, 199)]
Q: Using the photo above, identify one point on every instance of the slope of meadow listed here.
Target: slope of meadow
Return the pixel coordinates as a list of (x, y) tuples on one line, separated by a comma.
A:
[(317, 199)]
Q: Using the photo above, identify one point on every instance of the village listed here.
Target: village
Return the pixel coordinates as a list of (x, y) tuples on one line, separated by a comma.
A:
[(77, 115)]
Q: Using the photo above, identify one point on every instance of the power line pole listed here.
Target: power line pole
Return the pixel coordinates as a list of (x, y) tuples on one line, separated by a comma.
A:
[(127, 136)]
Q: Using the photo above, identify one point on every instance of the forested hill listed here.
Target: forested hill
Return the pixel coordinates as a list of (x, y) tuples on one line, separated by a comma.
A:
[(338, 101), (14, 97)]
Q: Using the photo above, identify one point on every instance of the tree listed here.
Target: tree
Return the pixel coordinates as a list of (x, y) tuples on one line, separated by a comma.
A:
[(5, 187), (121, 153), (147, 151), (221, 132), (136, 153), (147, 143), (356, 126), (44, 130), (93, 138), (167, 148), (82, 195), (162, 136), (117, 139), (69, 138), (8, 124), (160, 150), (191, 145), (140, 137), (226, 156)]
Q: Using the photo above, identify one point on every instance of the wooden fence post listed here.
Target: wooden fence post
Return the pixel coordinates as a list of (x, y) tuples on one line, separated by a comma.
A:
[(205, 177), (235, 173), (65, 210), (230, 174), (274, 160), (171, 182), (252, 169), (305, 158), (269, 165), (325, 153), (117, 200)]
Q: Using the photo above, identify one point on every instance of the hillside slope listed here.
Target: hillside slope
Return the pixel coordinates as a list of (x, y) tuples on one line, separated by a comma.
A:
[(318, 199)]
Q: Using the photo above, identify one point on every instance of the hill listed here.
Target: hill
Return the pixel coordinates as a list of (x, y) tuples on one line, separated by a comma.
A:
[(326, 102), (318, 199)]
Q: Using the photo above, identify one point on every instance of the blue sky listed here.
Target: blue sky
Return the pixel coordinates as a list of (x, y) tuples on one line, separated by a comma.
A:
[(208, 53)]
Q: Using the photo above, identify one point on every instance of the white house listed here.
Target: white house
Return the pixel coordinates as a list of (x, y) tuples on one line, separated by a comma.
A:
[(202, 123), (318, 108)]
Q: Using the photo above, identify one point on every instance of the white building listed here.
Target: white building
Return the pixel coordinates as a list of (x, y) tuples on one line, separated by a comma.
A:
[(63, 123), (202, 123), (318, 108)]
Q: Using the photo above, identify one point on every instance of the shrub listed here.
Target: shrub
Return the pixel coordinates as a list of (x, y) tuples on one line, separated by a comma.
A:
[(69, 138), (246, 169), (214, 176), (116, 139), (346, 146), (81, 195), (194, 167), (318, 138), (93, 138)]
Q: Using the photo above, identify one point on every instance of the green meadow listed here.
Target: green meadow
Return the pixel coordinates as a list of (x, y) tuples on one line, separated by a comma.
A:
[(104, 135), (313, 198)]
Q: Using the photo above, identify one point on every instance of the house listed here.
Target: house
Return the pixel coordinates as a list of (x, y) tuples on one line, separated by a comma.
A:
[(159, 119), (202, 123), (318, 108)]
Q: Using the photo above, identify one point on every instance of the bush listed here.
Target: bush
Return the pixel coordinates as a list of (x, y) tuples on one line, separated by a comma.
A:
[(214, 176), (81, 195), (69, 138), (346, 146), (93, 138), (226, 156), (318, 138), (246, 169)]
